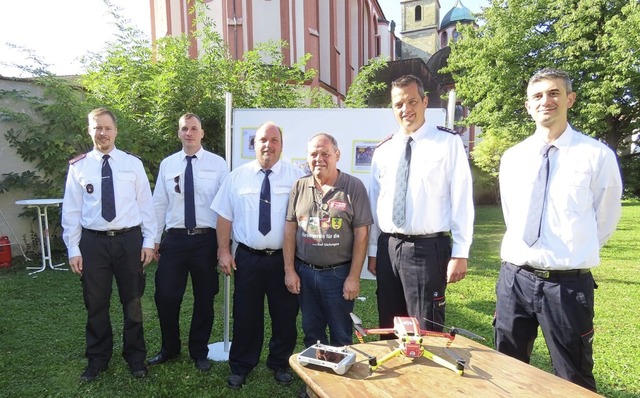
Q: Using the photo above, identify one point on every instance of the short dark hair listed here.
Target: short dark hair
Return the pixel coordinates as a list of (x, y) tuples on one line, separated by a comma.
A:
[(404, 81), (102, 111), (550, 73), (190, 115)]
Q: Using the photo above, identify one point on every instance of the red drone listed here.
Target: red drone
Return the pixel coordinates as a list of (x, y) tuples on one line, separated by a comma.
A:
[(410, 339)]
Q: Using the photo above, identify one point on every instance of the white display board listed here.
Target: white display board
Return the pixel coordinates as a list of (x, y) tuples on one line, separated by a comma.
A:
[(357, 131)]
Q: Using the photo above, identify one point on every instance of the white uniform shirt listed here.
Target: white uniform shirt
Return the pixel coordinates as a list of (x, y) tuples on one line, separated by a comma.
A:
[(82, 204), (239, 199), (439, 192), (583, 202), (209, 170)]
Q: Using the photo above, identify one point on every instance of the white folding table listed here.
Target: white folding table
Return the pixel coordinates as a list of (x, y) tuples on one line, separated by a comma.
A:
[(43, 222)]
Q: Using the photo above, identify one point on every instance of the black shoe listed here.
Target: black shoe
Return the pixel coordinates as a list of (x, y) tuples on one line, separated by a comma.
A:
[(203, 364), (160, 358), (283, 377), (90, 373), (138, 370), (235, 381), (302, 393)]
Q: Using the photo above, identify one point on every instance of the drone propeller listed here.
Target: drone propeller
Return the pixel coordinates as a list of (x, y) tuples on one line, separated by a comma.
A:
[(357, 323), (454, 330)]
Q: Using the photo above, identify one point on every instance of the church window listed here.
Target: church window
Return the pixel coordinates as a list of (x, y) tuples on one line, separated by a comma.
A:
[(443, 40), (418, 13)]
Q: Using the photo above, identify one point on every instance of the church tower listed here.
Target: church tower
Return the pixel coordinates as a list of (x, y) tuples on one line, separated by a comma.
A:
[(419, 30)]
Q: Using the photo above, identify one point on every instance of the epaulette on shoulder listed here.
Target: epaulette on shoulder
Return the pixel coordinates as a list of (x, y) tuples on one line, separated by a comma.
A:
[(77, 158), (387, 138), (132, 154), (448, 130)]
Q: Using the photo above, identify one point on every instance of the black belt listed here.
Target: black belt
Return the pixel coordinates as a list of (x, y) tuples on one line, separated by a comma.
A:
[(545, 274), (193, 231), (411, 238), (263, 252), (112, 232), (323, 267)]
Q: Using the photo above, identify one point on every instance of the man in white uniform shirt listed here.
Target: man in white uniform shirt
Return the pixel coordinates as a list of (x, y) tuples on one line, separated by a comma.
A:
[(422, 233), (548, 251), (187, 183), (243, 203), (109, 226)]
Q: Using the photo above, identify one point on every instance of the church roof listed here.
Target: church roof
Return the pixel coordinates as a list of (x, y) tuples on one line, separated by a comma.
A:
[(438, 61), (459, 13)]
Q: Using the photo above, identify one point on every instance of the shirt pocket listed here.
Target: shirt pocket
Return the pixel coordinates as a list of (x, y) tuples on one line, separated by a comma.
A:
[(249, 200), (208, 184), (430, 174), (576, 184), (125, 185), (279, 200), (174, 183), (91, 190)]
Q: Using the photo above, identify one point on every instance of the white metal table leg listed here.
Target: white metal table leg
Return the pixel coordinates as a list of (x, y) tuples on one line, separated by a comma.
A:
[(44, 257), (43, 226)]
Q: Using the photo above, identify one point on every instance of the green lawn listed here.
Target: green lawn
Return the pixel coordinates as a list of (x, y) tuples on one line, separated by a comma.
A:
[(42, 327)]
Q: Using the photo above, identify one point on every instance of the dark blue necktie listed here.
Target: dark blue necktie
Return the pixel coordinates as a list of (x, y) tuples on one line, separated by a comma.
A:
[(189, 199), (538, 199), (264, 217), (108, 198)]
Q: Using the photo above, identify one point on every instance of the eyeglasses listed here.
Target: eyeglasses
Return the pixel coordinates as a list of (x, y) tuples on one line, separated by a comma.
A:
[(177, 181)]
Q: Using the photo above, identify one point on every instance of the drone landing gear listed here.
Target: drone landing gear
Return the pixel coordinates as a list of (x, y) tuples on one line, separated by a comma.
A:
[(374, 364), (457, 368)]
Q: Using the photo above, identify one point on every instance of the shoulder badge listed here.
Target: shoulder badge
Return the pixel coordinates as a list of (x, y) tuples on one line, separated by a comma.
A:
[(132, 154), (448, 130), (79, 157), (387, 138)]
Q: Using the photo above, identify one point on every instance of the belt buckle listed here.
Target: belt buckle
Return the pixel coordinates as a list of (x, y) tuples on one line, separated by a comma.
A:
[(191, 231), (269, 252), (542, 274), (111, 233)]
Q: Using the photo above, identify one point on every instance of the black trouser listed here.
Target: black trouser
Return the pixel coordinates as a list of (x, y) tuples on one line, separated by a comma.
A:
[(255, 277), (561, 305), (104, 257), (181, 255), (412, 279)]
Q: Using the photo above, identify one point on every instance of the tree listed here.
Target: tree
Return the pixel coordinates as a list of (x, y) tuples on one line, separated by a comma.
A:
[(596, 43), (48, 139), (363, 85), (148, 89)]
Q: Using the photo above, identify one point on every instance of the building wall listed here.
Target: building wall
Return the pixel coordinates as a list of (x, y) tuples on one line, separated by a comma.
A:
[(414, 44), (10, 162), (341, 45), (340, 35), (419, 37)]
